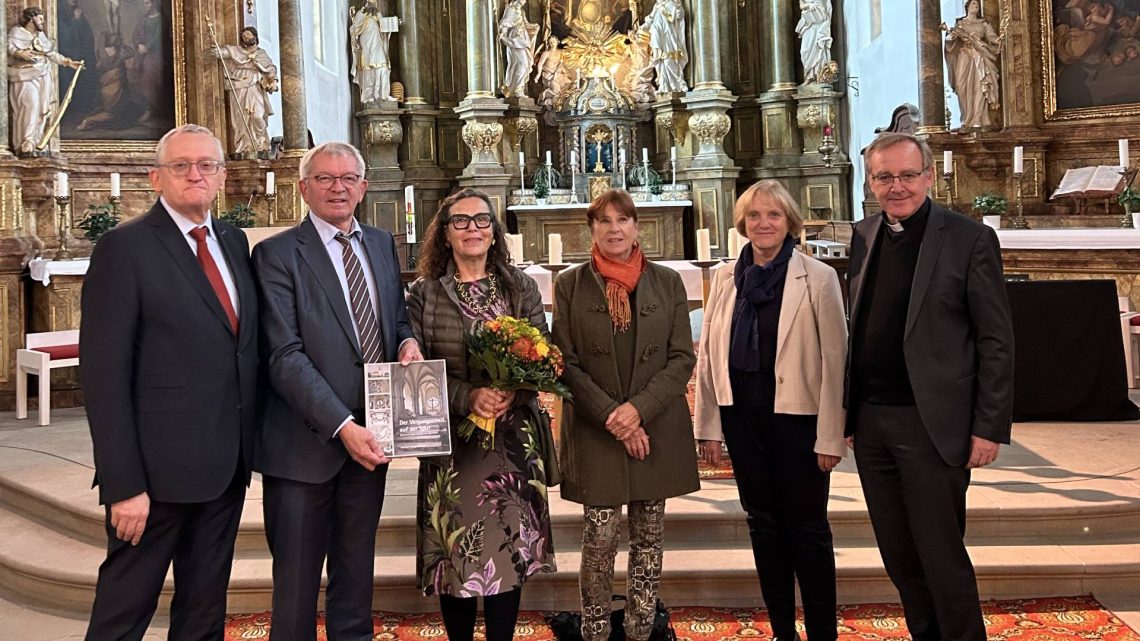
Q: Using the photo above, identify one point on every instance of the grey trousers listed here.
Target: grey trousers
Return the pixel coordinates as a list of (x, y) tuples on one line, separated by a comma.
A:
[(596, 577)]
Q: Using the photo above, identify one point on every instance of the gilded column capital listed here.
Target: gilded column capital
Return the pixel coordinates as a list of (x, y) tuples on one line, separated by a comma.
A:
[(710, 128), (518, 128), (676, 123)]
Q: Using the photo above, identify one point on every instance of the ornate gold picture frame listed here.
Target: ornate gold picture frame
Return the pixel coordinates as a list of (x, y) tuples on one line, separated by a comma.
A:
[(1091, 61), (129, 94)]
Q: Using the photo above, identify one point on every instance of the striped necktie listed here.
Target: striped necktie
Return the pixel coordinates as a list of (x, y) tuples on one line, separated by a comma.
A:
[(367, 329)]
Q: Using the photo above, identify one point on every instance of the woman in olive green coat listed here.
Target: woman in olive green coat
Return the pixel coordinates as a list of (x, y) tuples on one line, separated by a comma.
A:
[(622, 324)]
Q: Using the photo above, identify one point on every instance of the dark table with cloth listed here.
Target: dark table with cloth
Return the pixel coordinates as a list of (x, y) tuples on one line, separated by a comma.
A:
[(1069, 359)]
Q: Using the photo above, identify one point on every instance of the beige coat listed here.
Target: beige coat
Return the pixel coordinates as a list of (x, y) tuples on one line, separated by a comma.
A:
[(595, 466), (811, 349)]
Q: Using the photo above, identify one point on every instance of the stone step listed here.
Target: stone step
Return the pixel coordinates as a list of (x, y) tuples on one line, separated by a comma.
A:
[(43, 568)]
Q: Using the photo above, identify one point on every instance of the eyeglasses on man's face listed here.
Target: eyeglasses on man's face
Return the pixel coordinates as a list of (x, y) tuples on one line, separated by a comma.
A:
[(463, 221), (182, 167), (325, 181), (906, 178)]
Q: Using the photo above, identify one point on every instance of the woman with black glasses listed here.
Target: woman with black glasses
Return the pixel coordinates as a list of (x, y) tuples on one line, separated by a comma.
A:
[(483, 523)]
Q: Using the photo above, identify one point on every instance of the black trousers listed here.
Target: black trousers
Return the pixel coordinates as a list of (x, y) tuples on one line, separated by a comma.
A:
[(304, 523), (784, 495), (917, 505), (199, 539)]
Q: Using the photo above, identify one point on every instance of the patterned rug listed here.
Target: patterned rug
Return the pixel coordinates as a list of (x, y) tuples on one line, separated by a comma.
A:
[(1050, 619)]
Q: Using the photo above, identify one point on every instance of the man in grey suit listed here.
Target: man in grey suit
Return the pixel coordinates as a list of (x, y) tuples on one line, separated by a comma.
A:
[(929, 389), (332, 301)]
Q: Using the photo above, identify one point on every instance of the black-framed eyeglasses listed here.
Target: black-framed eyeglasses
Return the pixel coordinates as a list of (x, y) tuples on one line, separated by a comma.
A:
[(906, 178), (182, 167), (325, 181), (463, 221)]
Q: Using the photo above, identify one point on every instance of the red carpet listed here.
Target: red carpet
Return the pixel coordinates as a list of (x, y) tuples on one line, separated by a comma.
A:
[(1049, 619)]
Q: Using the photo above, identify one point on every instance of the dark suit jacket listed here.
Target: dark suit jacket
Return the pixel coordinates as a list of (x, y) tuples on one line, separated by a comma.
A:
[(958, 342), (171, 393), (315, 366)]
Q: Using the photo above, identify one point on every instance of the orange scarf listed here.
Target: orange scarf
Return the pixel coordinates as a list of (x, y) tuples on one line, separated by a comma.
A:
[(621, 279)]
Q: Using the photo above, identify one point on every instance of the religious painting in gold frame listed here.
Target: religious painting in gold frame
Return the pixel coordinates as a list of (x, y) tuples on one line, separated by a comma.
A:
[(129, 94), (1091, 61), (585, 19)]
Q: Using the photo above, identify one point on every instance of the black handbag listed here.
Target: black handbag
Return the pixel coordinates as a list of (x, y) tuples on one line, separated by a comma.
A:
[(567, 626), (546, 448)]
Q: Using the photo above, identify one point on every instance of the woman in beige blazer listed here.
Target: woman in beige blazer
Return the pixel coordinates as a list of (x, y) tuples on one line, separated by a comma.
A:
[(770, 385)]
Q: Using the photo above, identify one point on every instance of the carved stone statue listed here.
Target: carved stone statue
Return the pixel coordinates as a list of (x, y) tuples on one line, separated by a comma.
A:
[(972, 48), (639, 80), (32, 94), (814, 29), (551, 73), (666, 27), (253, 76), (518, 35), (370, 34)]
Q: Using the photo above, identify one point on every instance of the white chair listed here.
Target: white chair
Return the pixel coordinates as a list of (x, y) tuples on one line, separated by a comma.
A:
[(1130, 333), (42, 353)]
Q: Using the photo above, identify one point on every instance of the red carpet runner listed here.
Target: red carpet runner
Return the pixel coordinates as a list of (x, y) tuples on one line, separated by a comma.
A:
[(1050, 619)]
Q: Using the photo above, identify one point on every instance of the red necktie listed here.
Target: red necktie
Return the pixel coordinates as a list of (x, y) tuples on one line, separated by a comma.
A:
[(214, 276)]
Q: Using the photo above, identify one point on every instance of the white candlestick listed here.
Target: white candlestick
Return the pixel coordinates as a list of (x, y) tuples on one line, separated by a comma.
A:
[(1018, 160), (704, 248), (554, 243), (547, 157), (573, 158), (116, 190), (644, 156), (270, 183), (61, 184), (522, 159), (410, 215), (1122, 146), (673, 153), (947, 162)]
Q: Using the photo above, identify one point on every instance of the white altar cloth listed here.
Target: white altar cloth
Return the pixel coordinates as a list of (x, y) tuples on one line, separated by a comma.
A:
[(42, 270), (1099, 238)]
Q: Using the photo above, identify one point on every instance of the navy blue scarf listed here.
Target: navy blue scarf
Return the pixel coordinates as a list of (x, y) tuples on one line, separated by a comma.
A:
[(755, 288)]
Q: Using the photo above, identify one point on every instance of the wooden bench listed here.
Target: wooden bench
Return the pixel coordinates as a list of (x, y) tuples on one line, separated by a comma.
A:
[(42, 353)]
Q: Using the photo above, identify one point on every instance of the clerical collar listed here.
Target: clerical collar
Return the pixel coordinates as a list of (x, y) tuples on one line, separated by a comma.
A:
[(917, 219)]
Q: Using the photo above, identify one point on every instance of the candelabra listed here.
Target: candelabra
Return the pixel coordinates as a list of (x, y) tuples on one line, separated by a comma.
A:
[(115, 202), (271, 204), (706, 275), (1019, 222), (574, 183), (948, 180), (673, 167), (621, 169), (63, 204), (522, 175), (1125, 199)]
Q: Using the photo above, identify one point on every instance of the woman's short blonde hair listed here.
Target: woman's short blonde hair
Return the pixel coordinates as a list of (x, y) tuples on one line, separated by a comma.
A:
[(776, 191)]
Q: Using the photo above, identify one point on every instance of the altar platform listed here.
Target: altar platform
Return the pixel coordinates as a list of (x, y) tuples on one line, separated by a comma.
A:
[(1058, 514)]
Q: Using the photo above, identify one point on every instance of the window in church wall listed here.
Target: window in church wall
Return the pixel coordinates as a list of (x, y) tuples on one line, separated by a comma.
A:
[(876, 19), (318, 31)]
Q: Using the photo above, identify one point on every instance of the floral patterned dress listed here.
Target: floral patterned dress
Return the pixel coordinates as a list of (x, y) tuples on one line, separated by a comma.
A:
[(483, 514)]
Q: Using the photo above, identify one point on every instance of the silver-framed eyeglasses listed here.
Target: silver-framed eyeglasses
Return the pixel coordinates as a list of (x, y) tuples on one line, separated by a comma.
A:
[(182, 167), (325, 181), (462, 221), (906, 178)]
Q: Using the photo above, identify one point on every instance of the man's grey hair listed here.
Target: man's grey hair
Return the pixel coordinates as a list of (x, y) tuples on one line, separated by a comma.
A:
[(890, 139), (334, 149), (189, 128)]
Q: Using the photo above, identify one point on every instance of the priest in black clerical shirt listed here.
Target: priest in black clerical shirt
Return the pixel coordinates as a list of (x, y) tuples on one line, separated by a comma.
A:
[(929, 389)]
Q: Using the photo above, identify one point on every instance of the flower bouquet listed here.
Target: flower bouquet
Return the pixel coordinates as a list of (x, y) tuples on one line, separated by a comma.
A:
[(516, 356)]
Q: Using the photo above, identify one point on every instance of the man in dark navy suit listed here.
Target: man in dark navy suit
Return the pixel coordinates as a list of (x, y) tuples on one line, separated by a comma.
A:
[(332, 300), (169, 372), (929, 388)]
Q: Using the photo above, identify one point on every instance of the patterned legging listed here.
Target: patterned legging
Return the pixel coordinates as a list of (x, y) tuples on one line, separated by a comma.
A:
[(596, 578)]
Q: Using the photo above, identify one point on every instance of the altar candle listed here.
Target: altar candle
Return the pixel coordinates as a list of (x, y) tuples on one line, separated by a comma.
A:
[(270, 183), (515, 247), (947, 162), (704, 248), (574, 158), (61, 184), (733, 243), (621, 157), (410, 215), (673, 153), (1122, 146), (548, 157), (115, 184), (1018, 160), (522, 159), (554, 243), (644, 156)]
